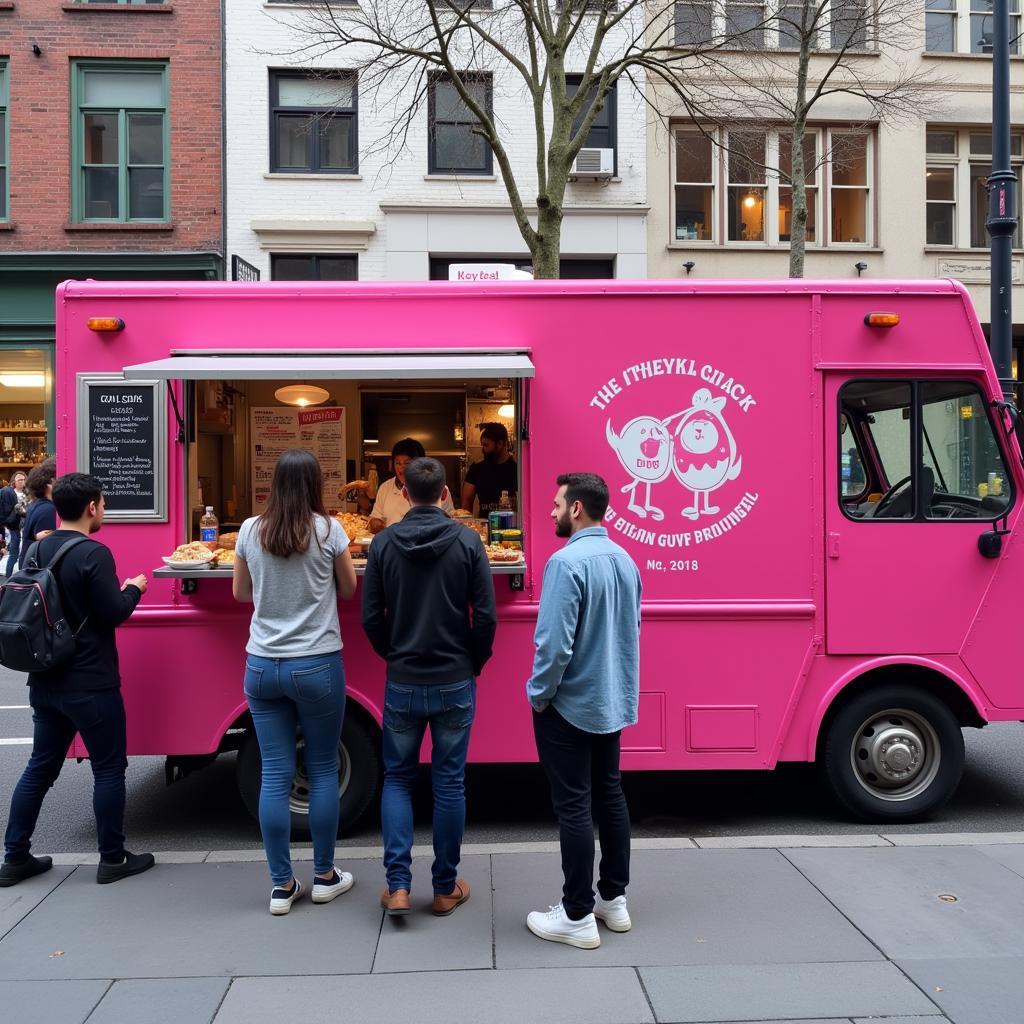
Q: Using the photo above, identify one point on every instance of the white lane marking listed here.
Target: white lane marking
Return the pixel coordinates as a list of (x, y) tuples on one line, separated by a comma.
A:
[(17, 741), (15, 707)]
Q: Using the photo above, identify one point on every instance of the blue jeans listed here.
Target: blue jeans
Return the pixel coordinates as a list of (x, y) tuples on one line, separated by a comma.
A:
[(13, 550), (98, 715), (448, 710), (284, 693)]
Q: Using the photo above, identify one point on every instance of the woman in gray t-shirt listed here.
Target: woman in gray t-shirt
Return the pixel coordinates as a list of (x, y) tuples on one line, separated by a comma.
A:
[(292, 562)]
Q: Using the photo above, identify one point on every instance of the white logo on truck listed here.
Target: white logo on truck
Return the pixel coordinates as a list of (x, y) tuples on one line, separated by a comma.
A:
[(694, 449)]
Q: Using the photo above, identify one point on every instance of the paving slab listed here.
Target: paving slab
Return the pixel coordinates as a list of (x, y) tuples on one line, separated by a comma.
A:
[(973, 991), (422, 942), (936, 1018), (1011, 857), (893, 896), (555, 996), (19, 900), (47, 1002), (190, 920), (771, 992), (161, 1001), (953, 838), (687, 906)]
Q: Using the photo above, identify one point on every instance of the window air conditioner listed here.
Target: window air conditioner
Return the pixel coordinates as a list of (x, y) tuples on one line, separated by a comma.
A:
[(593, 163)]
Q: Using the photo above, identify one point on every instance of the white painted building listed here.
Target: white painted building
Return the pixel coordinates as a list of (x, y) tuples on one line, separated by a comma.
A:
[(332, 203)]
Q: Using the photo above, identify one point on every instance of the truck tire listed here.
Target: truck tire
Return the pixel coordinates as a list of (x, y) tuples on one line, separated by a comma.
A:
[(359, 774), (894, 753)]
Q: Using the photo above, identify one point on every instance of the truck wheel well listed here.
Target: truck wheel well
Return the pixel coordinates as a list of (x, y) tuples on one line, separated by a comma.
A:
[(907, 675), (243, 724)]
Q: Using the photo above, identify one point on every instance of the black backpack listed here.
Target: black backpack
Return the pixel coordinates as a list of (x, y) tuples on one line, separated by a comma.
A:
[(34, 635)]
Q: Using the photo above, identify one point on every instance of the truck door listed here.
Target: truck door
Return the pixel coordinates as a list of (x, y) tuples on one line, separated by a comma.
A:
[(914, 473)]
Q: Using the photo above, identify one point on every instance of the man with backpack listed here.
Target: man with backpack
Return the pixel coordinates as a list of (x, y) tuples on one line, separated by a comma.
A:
[(80, 691)]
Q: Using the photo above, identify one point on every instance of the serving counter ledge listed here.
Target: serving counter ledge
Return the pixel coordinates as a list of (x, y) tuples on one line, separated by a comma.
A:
[(225, 572)]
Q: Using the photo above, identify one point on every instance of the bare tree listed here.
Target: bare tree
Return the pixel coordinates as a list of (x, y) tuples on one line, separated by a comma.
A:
[(860, 49), (397, 47)]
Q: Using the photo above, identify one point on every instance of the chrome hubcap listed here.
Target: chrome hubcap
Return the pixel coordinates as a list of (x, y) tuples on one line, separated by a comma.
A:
[(895, 754), (298, 800)]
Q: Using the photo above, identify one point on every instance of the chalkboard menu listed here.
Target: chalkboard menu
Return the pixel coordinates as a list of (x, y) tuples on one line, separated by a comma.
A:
[(122, 441)]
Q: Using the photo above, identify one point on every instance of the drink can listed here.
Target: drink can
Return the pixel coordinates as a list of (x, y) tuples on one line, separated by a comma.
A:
[(508, 520), (493, 526)]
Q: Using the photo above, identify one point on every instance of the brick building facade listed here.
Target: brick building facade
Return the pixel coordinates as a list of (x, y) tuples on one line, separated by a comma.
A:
[(111, 142)]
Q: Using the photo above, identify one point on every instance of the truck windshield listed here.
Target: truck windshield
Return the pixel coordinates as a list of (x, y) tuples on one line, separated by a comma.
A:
[(945, 426)]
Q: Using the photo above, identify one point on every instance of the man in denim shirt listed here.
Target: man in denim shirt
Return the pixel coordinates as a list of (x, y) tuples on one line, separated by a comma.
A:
[(584, 691)]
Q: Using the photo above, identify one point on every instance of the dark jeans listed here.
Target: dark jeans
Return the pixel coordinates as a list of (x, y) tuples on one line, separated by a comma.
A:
[(583, 771), (98, 715), (13, 549), (283, 693), (447, 709)]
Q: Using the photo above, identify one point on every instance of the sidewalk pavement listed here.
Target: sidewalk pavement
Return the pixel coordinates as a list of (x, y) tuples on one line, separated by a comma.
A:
[(911, 928)]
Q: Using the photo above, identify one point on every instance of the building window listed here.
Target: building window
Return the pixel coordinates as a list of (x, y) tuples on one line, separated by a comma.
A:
[(692, 22), (744, 23), (850, 21), (959, 162), (313, 123), (3, 140), (748, 189), (121, 1), (603, 132), (314, 267), (696, 165), (755, 167), (120, 142), (457, 144), (966, 26)]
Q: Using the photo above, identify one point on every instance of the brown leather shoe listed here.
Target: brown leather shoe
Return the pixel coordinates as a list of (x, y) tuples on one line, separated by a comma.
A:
[(445, 905), (395, 903)]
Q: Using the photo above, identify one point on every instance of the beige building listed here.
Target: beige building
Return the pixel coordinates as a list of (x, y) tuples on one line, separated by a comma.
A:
[(898, 200)]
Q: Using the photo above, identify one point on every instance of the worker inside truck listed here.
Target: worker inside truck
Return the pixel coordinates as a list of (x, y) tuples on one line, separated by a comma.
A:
[(958, 472)]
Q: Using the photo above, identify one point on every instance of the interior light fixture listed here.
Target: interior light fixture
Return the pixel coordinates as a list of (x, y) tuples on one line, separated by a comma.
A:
[(507, 411), (23, 380), (750, 201), (300, 395)]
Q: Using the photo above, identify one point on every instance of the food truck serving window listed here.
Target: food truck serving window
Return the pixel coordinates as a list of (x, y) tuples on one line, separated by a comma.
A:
[(929, 452), (365, 415)]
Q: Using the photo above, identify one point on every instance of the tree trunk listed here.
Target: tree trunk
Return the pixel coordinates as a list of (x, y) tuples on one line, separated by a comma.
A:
[(798, 227), (548, 244)]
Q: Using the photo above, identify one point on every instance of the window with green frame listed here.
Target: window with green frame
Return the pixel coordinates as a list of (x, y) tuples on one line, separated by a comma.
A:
[(120, 142), (3, 140)]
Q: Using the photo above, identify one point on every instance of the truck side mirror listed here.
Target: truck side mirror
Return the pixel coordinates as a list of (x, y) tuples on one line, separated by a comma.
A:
[(990, 544)]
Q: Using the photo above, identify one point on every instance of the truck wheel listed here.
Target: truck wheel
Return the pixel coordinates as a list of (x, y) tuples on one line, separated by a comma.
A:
[(359, 775), (894, 754)]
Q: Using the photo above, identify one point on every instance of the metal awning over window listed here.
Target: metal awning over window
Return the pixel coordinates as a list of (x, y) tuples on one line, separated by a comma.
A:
[(306, 365)]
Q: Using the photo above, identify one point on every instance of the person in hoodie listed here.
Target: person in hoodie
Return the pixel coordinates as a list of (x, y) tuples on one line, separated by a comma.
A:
[(428, 610)]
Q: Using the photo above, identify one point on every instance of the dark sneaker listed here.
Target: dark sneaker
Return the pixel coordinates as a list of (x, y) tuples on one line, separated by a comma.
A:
[(133, 864), (281, 899), (12, 874)]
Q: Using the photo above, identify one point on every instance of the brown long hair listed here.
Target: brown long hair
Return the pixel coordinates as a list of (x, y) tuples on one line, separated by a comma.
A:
[(296, 499)]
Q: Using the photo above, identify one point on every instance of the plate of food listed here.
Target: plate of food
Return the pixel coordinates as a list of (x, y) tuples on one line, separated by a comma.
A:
[(224, 557), (189, 556), (502, 555)]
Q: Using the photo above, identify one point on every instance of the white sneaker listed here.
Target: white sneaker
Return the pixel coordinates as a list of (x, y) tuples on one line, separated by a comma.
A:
[(555, 926), (281, 899), (326, 889), (614, 913)]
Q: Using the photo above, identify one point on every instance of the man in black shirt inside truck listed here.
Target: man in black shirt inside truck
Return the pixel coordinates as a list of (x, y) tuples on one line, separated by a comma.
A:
[(81, 696), (496, 473)]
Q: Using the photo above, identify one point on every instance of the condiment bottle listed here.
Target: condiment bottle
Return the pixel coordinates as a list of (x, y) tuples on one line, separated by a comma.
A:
[(209, 529), (372, 481), (504, 503)]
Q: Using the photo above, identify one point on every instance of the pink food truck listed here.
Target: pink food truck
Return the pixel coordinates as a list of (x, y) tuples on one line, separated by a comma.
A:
[(817, 479)]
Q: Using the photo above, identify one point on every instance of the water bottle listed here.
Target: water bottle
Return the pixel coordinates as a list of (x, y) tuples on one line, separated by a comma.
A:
[(209, 529)]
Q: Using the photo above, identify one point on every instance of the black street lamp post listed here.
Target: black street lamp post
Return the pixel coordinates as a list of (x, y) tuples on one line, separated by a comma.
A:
[(1002, 208)]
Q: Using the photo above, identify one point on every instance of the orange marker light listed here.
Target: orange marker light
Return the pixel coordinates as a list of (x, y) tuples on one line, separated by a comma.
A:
[(882, 319), (105, 323)]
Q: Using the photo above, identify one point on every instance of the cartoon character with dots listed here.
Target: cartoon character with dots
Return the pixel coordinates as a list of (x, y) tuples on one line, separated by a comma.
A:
[(644, 448)]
